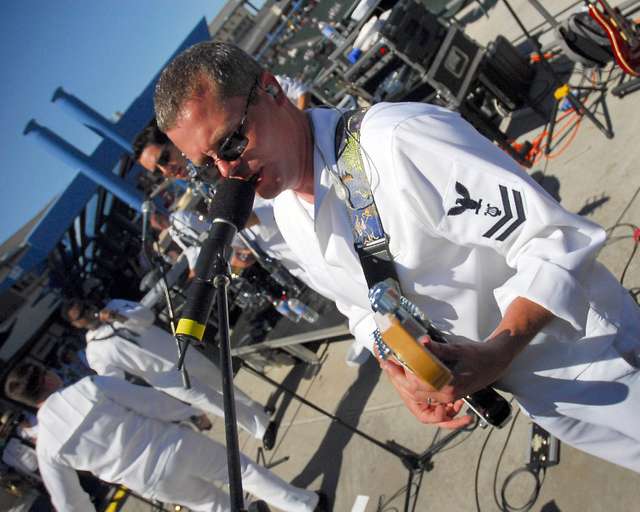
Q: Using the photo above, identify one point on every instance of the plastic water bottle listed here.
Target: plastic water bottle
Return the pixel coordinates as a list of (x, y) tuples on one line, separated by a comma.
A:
[(282, 307), (303, 311), (331, 33)]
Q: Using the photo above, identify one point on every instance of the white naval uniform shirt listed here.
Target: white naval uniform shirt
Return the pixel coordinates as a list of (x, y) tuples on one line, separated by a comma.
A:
[(140, 348), (144, 350), (116, 430), (269, 238), (444, 194), (153, 350)]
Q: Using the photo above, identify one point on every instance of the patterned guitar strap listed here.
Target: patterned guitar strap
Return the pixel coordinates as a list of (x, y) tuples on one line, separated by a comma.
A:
[(369, 239)]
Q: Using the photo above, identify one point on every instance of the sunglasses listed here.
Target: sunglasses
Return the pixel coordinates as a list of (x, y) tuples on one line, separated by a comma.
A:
[(164, 157), (232, 147)]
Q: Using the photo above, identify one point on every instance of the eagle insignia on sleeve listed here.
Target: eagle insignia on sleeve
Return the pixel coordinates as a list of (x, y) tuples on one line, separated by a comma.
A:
[(464, 202)]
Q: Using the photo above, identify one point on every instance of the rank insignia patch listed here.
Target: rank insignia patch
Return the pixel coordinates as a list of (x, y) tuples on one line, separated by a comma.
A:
[(506, 220), (503, 212)]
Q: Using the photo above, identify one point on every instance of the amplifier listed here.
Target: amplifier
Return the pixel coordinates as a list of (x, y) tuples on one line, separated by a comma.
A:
[(414, 31), (455, 66), (506, 74)]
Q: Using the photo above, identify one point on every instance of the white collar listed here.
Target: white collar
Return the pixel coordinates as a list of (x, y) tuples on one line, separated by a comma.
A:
[(324, 122)]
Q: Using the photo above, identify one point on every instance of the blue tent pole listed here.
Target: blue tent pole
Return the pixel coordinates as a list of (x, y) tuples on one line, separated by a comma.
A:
[(90, 118), (76, 159)]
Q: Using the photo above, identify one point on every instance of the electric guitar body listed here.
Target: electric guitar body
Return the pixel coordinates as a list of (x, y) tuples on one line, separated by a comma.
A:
[(401, 324), (623, 35)]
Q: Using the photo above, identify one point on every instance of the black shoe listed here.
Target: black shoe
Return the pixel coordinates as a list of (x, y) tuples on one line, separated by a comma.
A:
[(258, 506), (323, 502), (269, 438)]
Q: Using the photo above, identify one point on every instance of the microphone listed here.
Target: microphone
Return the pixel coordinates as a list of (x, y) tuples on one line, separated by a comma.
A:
[(146, 208), (229, 212)]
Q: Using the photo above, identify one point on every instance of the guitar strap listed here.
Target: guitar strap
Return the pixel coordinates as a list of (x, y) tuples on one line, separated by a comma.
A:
[(372, 247), (370, 241)]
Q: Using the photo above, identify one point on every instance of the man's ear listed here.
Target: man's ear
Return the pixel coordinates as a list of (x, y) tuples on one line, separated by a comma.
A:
[(270, 85), (271, 90)]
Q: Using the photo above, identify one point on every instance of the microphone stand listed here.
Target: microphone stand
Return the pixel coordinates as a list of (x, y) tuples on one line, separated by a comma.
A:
[(221, 282), (180, 345), (221, 277), (212, 278)]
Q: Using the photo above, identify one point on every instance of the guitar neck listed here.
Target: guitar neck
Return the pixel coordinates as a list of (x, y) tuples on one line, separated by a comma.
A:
[(619, 21)]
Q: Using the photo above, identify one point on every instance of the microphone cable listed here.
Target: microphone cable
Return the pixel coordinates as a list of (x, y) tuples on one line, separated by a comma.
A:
[(159, 263)]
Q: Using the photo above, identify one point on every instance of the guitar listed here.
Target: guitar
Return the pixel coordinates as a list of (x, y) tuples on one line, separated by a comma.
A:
[(401, 324), (623, 35)]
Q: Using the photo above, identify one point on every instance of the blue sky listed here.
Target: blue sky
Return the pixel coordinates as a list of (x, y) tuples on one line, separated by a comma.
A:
[(104, 52)]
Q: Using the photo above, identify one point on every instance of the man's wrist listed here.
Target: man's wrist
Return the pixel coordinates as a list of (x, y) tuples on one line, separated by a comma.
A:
[(522, 321)]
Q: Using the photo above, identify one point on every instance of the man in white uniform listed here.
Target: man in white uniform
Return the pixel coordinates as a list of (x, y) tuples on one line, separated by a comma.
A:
[(153, 151), (186, 227), (124, 434), (478, 245), (122, 339)]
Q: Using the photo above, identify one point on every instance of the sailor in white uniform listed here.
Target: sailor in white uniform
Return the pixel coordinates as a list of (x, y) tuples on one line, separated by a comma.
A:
[(477, 244), (123, 339), (125, 434)]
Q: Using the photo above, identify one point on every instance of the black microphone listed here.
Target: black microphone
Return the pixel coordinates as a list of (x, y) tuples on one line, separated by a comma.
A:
[(146, 208), (229, 213)]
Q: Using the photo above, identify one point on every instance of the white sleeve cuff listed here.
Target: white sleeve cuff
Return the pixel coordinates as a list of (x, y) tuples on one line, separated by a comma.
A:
[(363, 343), (548, 285)]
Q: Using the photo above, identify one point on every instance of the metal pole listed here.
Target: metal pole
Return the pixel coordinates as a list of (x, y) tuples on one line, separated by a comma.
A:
[(90, 118), (221, 282)]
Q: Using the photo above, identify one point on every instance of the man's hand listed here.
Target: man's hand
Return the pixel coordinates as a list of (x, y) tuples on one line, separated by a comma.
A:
[(426, 404), (474, 365), (108, 315), (201, 422)]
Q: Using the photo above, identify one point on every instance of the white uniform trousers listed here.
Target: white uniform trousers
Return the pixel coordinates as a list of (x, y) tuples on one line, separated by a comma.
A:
[(250, 415), (188, 479)]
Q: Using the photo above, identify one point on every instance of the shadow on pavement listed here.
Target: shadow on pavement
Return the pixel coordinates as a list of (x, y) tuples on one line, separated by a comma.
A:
[(327, 461)]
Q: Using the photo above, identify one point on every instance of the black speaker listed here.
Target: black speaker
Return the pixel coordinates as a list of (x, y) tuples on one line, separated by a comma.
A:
[(455, 66), (506, 74), (414, 31)]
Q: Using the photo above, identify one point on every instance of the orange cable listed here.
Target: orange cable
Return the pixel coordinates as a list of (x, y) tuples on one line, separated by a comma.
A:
[(558, 131), (572, 137)]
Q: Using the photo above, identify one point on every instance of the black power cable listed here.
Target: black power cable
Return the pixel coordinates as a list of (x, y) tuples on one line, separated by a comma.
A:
[(501, 501), (635, 236)]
